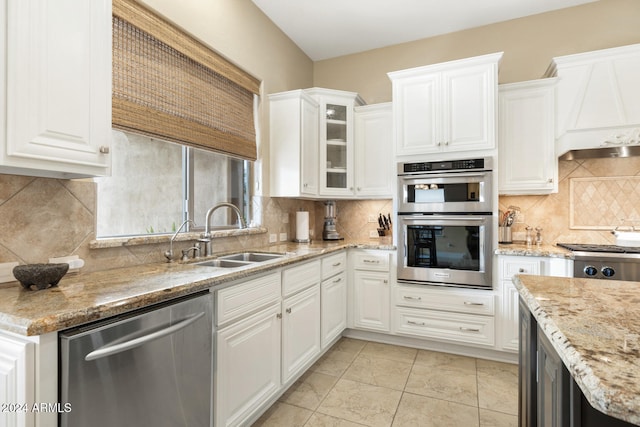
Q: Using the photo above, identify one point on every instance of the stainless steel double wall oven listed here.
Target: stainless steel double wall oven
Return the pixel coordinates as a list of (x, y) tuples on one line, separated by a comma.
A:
[(445, 222)]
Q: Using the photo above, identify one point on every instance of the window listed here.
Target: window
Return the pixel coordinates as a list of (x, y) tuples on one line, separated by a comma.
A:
[(156, 185)]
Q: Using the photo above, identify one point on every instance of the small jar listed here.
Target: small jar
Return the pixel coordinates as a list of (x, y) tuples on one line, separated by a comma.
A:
[(529, 238)]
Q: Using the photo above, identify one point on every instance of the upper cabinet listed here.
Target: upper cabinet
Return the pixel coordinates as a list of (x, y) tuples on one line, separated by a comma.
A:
[(294, 136), (526, 141), (374, 166), (56, 88), (336, 140), (598, 98), (446, 107), (326, 145)]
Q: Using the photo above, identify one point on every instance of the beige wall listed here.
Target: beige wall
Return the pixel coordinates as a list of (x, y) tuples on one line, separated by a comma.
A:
[(528, 44)]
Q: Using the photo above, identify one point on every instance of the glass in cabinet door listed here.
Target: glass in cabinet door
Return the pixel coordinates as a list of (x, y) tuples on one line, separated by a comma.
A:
[(336, 146)]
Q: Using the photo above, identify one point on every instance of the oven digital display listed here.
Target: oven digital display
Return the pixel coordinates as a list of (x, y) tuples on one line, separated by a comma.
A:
[(440, 193), (453, 247)]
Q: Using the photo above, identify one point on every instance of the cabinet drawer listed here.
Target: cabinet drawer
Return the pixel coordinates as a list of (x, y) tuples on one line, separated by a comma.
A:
[(300, 277), (466, 328), (457, 300), (371, 260), (512, 267), (333, 264), (239, 300)]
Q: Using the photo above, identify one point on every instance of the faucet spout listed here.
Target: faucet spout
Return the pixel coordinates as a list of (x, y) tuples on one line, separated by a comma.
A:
[(207, 224), (206, 236), (169, 254)]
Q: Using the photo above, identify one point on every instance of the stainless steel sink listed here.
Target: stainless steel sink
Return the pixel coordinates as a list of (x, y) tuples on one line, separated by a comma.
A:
[(240, 259), (252, 256), (224, 263)]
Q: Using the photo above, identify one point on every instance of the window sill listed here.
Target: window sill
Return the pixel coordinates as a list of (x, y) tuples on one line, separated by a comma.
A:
[(114, 242)]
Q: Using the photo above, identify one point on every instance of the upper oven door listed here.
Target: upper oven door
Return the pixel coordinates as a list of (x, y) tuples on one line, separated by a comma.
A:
[(445, 249), (445, 192)]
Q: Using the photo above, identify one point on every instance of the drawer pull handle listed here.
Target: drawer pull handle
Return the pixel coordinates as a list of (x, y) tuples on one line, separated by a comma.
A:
[(338, 280), (473, 303), (371, 261), (463, 329), (288, 310), (413, 322), (337, 264), (413, 298)]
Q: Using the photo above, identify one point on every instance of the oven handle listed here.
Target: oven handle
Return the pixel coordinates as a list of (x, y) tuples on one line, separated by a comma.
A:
[(423, 175), (473, 218)]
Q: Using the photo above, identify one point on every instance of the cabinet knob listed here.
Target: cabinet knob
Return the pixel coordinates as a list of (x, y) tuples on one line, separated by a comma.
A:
[(305, 185), (104, 149), (359, 188), (288, 310), (521, 270), (385, 281), (550, 180), (279, 316), (446, 143), (439, 144)]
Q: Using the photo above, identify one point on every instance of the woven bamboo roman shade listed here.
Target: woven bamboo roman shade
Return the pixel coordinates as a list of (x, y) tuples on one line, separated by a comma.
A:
[(168, 85)]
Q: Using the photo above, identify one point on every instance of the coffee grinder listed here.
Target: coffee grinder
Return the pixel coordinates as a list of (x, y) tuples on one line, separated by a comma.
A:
[(329, 231)]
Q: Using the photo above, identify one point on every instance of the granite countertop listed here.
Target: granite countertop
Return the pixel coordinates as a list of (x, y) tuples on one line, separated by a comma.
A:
[(594, 325), (521, 249), (82, 298)]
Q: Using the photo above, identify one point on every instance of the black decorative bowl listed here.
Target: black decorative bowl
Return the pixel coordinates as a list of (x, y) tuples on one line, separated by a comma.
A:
[(40, 275)]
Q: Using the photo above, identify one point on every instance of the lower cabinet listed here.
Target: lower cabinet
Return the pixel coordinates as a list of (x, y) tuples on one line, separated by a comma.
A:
[(247, 370), (300, 331), (461, 315), (509, 266), (553, 386), (333, 297)]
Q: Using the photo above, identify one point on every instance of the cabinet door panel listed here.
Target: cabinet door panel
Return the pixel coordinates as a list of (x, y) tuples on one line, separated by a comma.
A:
[(334, 307), (374, 172), (300, 331), (416, 111), (371, 295), (247, 366), (59, 85), (309, 149), (469, 109)]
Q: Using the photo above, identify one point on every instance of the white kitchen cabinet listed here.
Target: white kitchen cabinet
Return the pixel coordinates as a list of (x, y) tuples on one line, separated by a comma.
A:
[(247, 354), (371, 290), (300, 331), (449, 314), (333, 297), (247, 366), (509, 266), (336, 140), (526, 138), (28, 377), (374, 168), (447, 107), (294, 136), (56, 88)]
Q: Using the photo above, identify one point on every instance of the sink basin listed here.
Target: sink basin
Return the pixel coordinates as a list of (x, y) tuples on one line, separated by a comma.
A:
[(224, 263), (251, 257)]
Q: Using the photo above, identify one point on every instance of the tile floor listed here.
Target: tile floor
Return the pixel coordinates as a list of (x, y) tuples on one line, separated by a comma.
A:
[(361, 383)]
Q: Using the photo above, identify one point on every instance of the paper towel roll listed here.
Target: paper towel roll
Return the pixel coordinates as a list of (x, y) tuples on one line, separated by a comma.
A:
[(302, 226)]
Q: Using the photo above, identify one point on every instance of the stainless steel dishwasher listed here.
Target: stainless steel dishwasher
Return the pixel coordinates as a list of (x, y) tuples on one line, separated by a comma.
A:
[(151, 367)]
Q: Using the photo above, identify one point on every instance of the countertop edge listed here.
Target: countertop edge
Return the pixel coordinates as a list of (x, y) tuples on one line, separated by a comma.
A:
[(67, 319), (595, 393)]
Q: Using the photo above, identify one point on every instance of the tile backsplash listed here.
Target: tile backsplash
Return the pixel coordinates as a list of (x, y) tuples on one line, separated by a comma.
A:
[(594, 197), (44, 218)]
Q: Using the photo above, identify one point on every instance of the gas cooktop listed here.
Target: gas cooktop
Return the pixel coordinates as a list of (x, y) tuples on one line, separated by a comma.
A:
[(580, 247)]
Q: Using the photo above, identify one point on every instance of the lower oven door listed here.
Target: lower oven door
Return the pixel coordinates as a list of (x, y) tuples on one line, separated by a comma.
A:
[(450, 250)]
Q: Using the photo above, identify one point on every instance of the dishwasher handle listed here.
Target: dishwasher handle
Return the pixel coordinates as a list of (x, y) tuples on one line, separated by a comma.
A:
[(136, 342)]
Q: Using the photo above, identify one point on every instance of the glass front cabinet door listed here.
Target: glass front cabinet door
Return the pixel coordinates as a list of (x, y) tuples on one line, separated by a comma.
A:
[(336, 140)]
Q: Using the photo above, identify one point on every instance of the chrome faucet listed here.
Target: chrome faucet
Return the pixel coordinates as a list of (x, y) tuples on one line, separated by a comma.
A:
[(205, 237), (169, 254)]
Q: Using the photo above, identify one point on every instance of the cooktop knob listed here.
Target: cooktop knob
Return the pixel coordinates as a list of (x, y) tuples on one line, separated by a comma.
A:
[(608, 271), (590, 270)]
